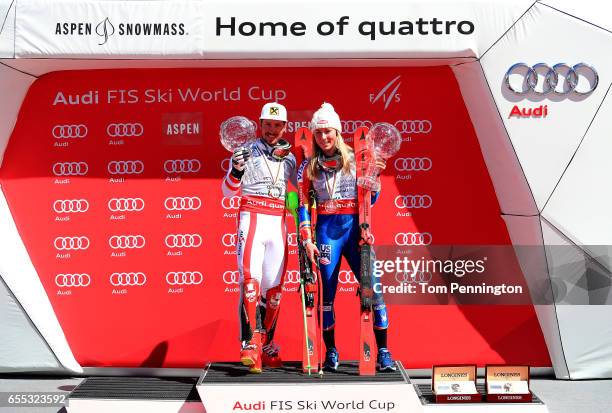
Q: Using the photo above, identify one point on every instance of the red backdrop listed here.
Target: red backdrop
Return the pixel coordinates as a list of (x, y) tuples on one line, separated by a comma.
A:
[(74, 131)]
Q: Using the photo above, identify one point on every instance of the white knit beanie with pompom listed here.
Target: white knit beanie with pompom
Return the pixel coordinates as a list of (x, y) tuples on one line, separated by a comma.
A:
[(326, 117)]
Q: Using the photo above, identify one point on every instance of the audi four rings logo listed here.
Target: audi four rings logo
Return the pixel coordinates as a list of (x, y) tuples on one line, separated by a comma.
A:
[(413, 126), (124, 130), (72, 280), (226, 164), (69, 131), (182, 203), (413, 164), (350, 126), (231, 202), (62, 206), (127, 279), (292, 277), (417, 277), (346, 277), (231, 277), (70, 168), (413, 238), (531, 76), (71, 243), (125, 204), (183, 240), (125, 167), (292, 239), (174, 166), (229, 240), (412, 201), (126, 241), (184, 278)]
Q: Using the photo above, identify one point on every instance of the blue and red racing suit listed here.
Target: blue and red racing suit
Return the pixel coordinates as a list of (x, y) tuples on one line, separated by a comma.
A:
[(337, 232)]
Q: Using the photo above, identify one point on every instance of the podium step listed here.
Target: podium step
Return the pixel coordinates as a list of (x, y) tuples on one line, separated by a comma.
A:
[(132, 394)]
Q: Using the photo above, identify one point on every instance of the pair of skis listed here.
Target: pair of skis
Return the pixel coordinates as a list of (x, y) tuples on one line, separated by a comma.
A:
[(367, 365)]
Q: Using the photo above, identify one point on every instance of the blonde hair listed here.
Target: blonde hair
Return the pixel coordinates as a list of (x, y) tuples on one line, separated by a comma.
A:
[(345, 151)]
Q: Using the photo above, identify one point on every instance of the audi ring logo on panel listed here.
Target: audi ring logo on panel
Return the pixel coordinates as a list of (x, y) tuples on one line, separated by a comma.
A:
[(69, 131), (182, 203), (72, 280), (70, 168), (64, 206), (417, 277), (183, 240), (351, 126), (71, 243), (229, 240), (126, 241), (413, 126), (346, 277), (549, 76), (413, 238), (292, 277), (124, 130), (412, 201), (413, 164), (292, 239), (226, 164), (125, 204), (174, 166), (125, 167), (184, 278), (231, 202), (231, 277), (128, 279)]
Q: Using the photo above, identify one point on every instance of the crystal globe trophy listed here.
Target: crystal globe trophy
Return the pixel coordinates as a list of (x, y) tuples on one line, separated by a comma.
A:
[(384, 141)]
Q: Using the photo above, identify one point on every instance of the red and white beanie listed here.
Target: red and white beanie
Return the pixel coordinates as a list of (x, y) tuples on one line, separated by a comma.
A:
[(326, 117)]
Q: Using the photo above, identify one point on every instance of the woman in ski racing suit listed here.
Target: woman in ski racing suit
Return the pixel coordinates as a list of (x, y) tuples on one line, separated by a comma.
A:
[(330, 176)]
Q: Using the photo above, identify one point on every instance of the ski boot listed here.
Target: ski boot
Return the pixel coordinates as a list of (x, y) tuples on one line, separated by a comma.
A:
[(331, 359), (270, 355), (384, 361), (250, 354)]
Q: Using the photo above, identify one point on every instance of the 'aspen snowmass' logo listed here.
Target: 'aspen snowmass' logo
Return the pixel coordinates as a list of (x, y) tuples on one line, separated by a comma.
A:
[(106, 29)]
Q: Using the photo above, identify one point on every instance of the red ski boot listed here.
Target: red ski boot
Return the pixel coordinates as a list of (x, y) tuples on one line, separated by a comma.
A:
[(250, 354)]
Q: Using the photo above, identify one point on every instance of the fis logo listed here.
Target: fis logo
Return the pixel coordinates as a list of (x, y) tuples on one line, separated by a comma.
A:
[(385, 96), (325, 257)]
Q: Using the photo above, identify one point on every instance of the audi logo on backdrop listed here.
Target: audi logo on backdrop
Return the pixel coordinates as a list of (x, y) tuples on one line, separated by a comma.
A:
[(125, 204), (229, 240), (173, 166), (413, 126), (183, 240), (413, 238), (63, 206), (412, 164), (351, 126), (124, 130), (292, 239), (128, 279), (231, 277), (412, 201), (231, 202), (347, 277), (415, 277), (71, 243), (126, 241), (182, 203), (125, 167), (70, 168), (69, 131), (542, 79), (72, 280), (184, 278), (292, 277), (226, 164)]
